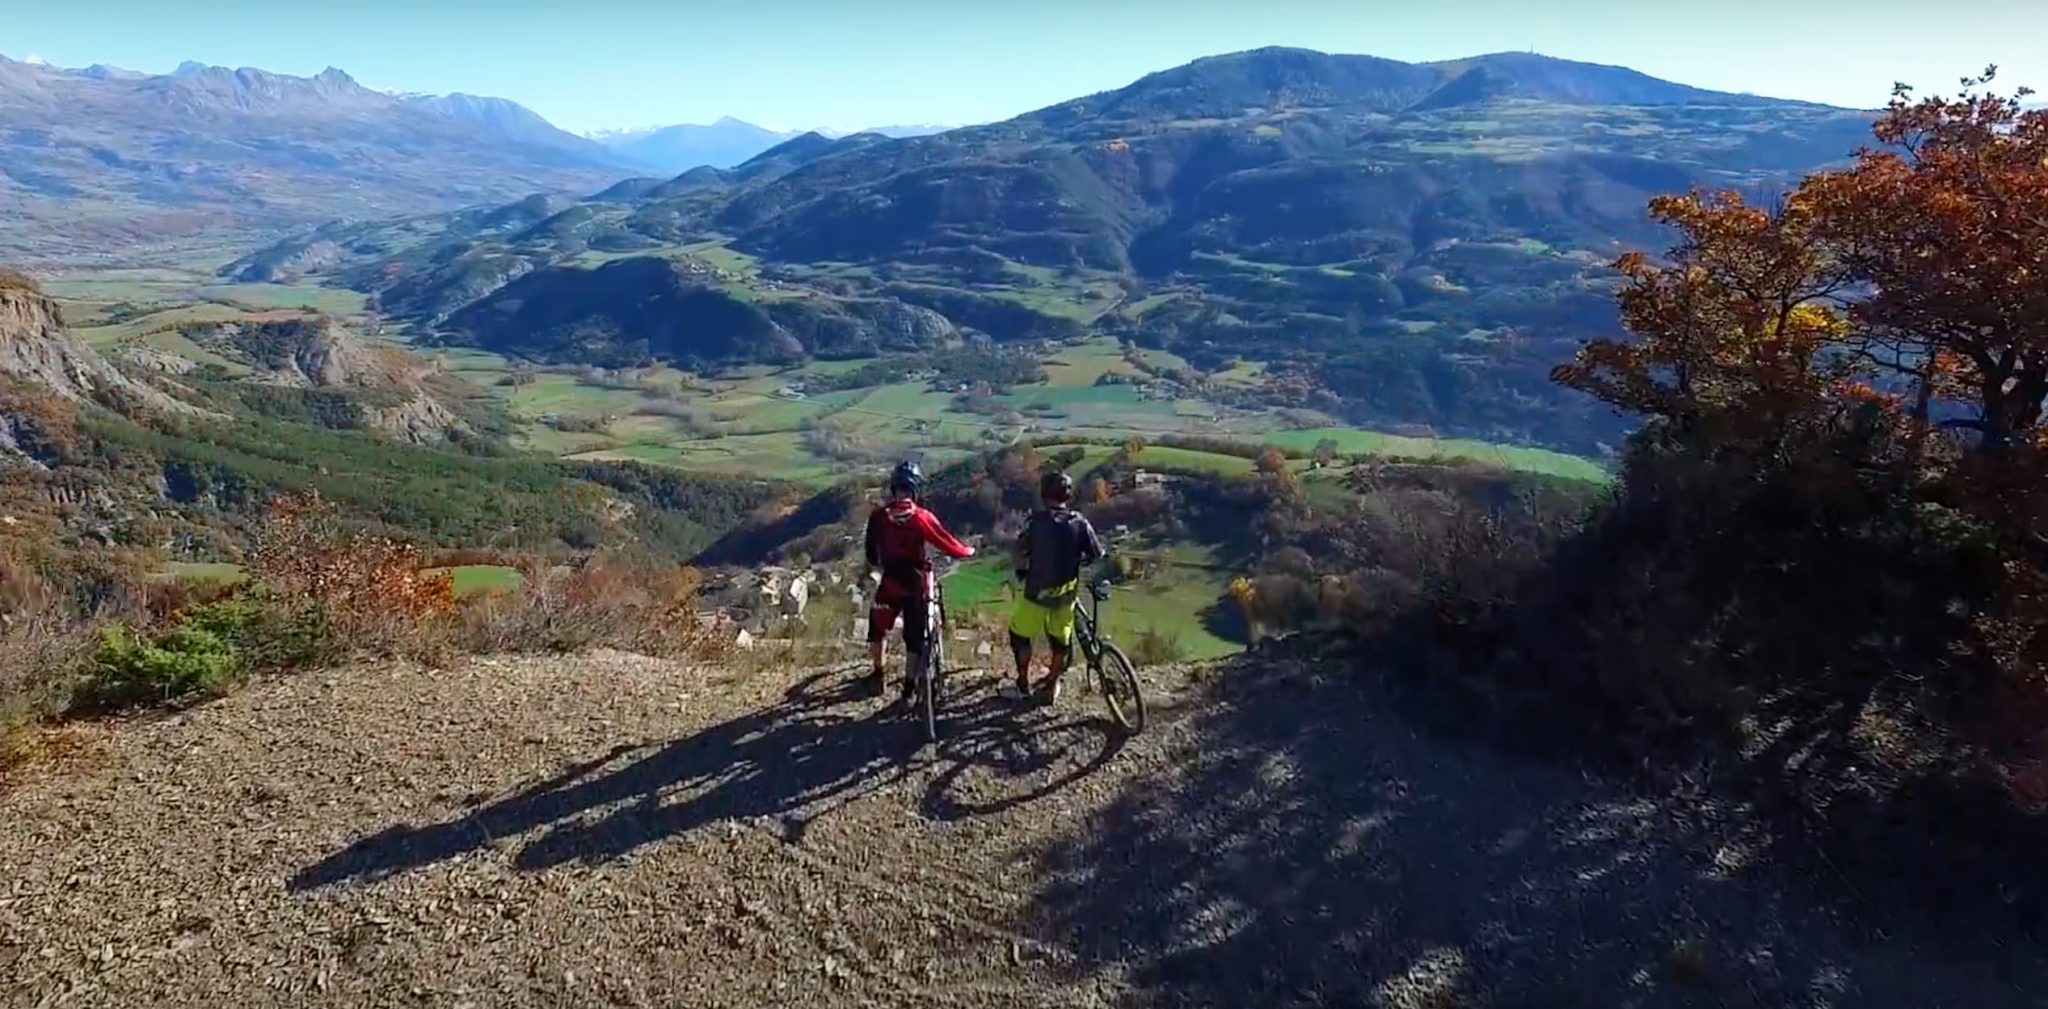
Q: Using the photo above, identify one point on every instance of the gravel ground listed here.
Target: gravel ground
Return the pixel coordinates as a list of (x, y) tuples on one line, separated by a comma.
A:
[(605, 830), (613, 830)]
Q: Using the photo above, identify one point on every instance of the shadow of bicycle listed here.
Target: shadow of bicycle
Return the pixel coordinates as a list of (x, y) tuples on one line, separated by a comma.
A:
[(824, 745)]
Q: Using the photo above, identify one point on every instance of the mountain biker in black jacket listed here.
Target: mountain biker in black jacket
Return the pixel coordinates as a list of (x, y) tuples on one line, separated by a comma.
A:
[(1055, 545)]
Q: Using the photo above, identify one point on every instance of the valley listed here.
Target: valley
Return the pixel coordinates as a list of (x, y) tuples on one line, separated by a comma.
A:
[(1399, 247), (1579, 537), (809, 426), (1350, 261)]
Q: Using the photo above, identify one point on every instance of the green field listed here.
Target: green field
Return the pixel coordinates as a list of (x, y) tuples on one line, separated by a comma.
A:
[(482, 579), (150, 299), (567, 394), (1351, 441), (334, 301), (769, 456), (1168, 459), (1083, 364), (719, 254), (108, 334), (978, 583), (468, 580), (1149, 302), (206, 572)]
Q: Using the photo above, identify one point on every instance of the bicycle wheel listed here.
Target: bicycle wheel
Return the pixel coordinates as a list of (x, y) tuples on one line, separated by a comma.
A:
[(928, 693), (1119, 681), (934, 662)]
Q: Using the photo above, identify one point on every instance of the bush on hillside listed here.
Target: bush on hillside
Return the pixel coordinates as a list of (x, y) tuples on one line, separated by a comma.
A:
[(1826, 552), (130, 668), (1153, 647), (601, 602), (42, 641), (82, 631), (378, 595)]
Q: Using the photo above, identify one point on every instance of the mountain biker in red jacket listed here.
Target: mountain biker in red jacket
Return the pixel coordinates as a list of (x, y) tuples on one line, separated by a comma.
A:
[(898, 533)]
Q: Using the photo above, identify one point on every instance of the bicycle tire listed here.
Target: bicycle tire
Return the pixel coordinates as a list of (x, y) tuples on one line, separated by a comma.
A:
[(929, 695), (934, 661), (1119, 680)]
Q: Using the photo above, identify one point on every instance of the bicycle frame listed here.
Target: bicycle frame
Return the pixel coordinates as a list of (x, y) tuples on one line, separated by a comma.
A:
[(935, 610), (1087, 627)]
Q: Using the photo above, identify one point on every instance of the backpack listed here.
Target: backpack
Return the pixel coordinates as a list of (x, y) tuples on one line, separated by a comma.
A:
[(1057, 540)]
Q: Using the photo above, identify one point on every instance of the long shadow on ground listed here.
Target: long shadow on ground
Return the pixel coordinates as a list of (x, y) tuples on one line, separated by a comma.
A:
[(823, 742), (1313, 846)]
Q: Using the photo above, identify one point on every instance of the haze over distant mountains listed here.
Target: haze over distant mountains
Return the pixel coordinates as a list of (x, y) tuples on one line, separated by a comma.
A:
[(103, 157), (723, 144)]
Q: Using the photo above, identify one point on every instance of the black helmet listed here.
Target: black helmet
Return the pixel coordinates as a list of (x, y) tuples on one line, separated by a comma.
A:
[(1056, 487), (906, 478)]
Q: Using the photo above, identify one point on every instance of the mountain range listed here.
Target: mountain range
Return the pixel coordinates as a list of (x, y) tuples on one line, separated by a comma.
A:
[(1401, 243), (722, 144), (102, 158)]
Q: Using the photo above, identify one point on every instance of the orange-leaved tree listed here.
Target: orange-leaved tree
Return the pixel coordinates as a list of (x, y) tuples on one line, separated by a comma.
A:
[(1947, 227), (1909, 288), (1732, 329), (1924, 266)]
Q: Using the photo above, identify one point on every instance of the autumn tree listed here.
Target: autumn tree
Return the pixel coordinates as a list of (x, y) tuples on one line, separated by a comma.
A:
[(1947, 227), (1020, 467), (1325, 452), (1729, 331), (1865, 360), (1275, 476), (1924, 267)]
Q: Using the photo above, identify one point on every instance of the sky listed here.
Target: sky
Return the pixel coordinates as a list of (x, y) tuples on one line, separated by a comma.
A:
[(846, 64)]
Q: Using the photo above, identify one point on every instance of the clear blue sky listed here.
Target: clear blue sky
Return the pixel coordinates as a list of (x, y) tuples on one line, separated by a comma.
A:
[(845, 63)]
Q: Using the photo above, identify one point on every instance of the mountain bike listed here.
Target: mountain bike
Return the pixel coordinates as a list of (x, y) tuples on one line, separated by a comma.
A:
[(1109, 669), (932, 668)]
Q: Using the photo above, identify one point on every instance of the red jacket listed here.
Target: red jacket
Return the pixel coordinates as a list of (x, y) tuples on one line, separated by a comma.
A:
[(898, 533)]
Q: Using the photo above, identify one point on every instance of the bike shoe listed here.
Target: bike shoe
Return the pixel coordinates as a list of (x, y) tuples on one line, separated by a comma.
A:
[(1050, 694)]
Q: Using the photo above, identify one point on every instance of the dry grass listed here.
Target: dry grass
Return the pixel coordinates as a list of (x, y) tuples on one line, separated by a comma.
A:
[(317, 596), (40, 647), (378, 596), (17, 279), (601, 602)]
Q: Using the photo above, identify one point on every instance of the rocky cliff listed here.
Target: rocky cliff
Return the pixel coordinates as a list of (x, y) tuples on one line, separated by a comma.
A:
[(36, 348)]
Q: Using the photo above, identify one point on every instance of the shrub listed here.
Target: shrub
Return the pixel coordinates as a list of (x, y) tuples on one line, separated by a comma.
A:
[(10, 278), (50, 603), (129, 668), (378, 595), (41, 646), (1152, 646), (271, 633), (602, 602)]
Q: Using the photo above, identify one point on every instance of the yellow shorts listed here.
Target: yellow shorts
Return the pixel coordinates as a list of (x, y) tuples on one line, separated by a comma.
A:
[(1053, 623)]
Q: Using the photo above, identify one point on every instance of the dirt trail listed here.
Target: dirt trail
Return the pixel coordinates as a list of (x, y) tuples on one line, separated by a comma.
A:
[(611, 830)]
